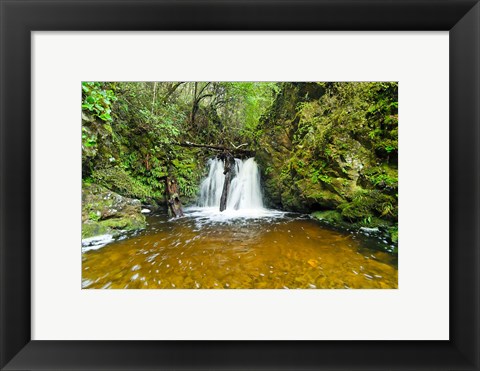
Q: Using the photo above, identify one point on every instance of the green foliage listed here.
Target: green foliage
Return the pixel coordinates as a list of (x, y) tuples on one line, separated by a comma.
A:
[(365, 204), (97, 100), (119, 180), (393, 231), (87, 181), (130, 130), (382, 177), (88, 140), (358, 208), (187, 174), (257, 97), (94, 216), (316, 177)]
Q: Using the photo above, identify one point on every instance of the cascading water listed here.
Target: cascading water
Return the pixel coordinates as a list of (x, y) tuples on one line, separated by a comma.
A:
[(212, 186), (245, 191)]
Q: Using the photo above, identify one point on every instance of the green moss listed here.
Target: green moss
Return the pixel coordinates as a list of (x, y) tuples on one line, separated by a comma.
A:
[(382, 177), (330, 216), (121, 181), (91, 229), (367, 203), (116, 223), (317, 194), (113, 226), (125, 223), (290, 201)]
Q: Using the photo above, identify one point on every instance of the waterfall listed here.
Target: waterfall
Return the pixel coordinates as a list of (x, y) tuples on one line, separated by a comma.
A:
[(245, 191), (211, 187)]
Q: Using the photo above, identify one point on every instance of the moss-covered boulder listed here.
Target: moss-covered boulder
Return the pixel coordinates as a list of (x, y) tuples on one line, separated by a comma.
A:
[(330, 216), (332, 147), (107, 212)]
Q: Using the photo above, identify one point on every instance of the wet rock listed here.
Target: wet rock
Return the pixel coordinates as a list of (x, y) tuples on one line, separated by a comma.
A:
[(369, 230), (106, 212)]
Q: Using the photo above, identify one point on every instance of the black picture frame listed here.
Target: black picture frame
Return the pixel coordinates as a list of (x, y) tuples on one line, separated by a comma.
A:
[(18, 18)]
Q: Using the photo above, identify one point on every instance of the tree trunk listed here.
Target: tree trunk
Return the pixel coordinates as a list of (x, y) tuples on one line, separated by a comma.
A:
[(173, 199), (194, 105), (197, 97), (229, 162), (154, 94), (226, 188)]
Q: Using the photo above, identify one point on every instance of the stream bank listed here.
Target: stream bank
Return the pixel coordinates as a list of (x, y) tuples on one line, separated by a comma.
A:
[(105, 212)]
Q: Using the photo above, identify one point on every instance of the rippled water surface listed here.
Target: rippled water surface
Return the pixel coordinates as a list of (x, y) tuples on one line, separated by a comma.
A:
[(257, 249)]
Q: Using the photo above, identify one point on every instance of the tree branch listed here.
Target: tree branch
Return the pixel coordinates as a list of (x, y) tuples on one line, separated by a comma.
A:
[(203, 96), (201, 91), (236, 149), (171, 90)]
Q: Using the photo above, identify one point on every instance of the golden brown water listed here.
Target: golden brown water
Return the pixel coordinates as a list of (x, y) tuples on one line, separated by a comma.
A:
[(267, 253)]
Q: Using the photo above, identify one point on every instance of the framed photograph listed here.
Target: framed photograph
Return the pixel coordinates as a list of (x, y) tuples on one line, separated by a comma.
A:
[(350, 161)]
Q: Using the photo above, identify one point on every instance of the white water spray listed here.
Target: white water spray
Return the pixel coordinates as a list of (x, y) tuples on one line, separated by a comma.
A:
[(245, 191)]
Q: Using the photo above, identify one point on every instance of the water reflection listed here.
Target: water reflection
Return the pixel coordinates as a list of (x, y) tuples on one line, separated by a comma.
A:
[(208, 250)]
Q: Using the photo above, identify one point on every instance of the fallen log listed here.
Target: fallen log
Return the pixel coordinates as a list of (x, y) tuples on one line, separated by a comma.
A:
[(234, 150)]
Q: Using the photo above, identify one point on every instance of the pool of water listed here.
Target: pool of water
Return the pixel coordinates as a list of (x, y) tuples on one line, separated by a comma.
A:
[(254, 249)]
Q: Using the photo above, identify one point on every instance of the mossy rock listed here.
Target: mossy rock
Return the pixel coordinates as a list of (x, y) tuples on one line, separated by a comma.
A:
[(126, 223), (114, 226), (92, 228), (272, 193), (330, 216), (291, 202), (317, 194), (106, 212)]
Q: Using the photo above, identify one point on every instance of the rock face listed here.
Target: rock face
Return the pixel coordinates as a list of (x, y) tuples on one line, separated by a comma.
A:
[(106, 212), (333, 147)]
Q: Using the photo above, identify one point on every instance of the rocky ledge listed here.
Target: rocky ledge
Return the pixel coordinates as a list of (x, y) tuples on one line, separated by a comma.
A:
[(107, 213)]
